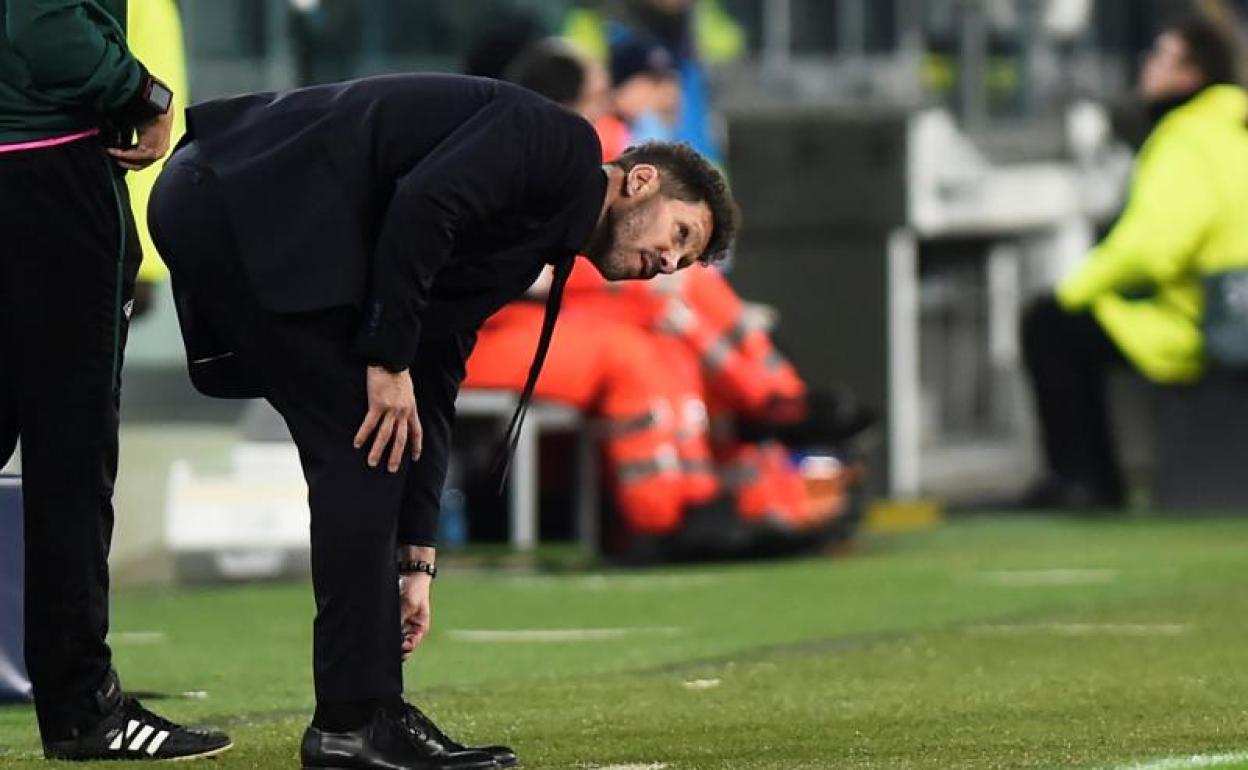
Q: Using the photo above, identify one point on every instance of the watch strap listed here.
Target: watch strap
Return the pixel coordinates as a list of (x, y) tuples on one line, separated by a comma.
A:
[(419, 566), (139, 108)]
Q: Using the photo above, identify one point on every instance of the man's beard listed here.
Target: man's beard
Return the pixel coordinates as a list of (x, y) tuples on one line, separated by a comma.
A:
[(602, 250), (604, 239)]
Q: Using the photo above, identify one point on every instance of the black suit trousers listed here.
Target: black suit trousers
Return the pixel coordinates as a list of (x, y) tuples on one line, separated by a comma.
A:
[(67, 269), (304, 365)]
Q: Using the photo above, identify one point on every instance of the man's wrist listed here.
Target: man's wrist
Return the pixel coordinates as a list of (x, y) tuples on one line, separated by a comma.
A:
[(417, 561), (393, 368), (409, 569), (417, 553)]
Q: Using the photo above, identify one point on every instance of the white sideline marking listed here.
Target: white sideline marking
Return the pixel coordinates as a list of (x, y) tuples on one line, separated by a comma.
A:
[(702, 684), (645, 582), (620, 582), (1194, 761), (1085, 629), (557, 634), (1034, 578), (138, 637)]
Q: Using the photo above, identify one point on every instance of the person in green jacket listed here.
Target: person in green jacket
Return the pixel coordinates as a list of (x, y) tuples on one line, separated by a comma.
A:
[(1137, 299), (72, 97)]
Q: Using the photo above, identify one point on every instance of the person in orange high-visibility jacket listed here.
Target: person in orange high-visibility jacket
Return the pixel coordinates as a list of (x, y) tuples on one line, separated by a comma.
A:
[(731, 367), (618, 372)]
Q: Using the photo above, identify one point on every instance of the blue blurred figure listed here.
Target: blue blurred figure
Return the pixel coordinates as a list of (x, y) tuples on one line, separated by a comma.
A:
[(693, 32)]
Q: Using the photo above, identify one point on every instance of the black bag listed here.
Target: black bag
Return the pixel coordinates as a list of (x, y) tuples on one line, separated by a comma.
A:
[(14, 684), (1225, 324)]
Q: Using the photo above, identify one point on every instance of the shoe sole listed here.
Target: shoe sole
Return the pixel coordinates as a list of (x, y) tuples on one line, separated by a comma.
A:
[(110, 758), (201, 755)]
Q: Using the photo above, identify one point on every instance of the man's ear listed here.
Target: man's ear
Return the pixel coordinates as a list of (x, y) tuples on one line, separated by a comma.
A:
[(642, 181)]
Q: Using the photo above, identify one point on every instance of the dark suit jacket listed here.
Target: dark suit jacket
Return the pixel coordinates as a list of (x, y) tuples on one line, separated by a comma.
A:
[(427, 201)]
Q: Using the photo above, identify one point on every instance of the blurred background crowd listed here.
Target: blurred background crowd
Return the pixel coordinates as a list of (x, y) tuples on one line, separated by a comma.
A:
[(911, 172)]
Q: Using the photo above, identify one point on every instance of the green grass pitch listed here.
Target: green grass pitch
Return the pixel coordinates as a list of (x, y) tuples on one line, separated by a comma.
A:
[(988, 643)]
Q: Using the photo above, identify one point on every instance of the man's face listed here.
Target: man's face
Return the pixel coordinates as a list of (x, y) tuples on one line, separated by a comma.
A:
[(1167, 71), (646, 234)]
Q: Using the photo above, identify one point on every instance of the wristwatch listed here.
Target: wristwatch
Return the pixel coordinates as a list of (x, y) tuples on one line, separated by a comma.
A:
[(414, 567), (152, 99), (158, 95)]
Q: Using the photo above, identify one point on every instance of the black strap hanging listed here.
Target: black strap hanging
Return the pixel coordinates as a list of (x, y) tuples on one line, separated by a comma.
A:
[(512, 437)]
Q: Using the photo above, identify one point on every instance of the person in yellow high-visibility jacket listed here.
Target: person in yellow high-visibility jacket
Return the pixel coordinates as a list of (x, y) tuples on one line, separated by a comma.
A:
[(154, 30), (1138, 296)]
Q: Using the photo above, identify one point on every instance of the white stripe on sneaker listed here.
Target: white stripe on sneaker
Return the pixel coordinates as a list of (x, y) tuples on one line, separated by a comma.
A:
[(142, 737), (157, 742), (116, 744), (130, 728)]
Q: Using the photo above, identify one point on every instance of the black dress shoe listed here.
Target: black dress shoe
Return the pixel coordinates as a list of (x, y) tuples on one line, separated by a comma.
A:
[(391, 741), (126, 730), (503, 755)]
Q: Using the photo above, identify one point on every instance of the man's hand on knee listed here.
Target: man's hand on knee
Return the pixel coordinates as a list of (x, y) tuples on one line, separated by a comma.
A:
[(392, 419)]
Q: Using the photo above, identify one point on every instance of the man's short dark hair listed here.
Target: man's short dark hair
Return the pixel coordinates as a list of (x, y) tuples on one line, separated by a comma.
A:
[(551, 68), (687, 176), (1209, 49)]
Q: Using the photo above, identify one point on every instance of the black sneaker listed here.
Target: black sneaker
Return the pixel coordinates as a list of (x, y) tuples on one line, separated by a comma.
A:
[(391, 741), (503, 756), (132, 732)]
